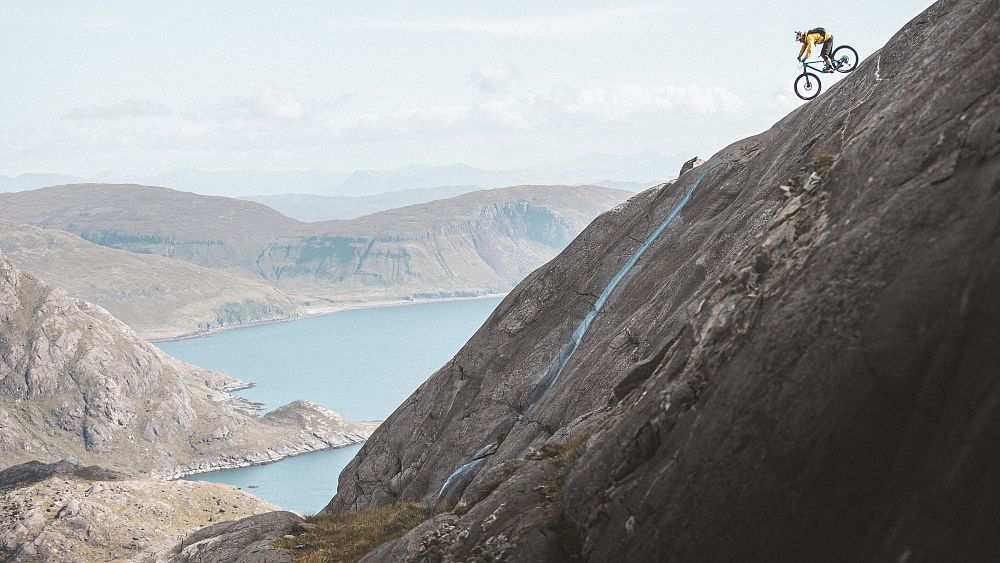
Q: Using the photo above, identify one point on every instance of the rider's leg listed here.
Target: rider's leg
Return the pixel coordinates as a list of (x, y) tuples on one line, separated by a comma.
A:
[(826, 53)]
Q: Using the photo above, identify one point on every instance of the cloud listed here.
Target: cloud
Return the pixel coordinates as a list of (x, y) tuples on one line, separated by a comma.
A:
[(273, 121), (628, 101), (493, 79), (269, 104), (125, 109), (550, 26), (625, 105)]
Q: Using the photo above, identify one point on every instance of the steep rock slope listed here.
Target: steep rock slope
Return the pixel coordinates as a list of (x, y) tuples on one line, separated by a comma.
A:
[(477, 243), (76, 382), (157, 297), (802, 365)]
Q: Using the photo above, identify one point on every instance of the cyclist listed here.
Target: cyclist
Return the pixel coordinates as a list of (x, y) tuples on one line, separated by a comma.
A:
[(811, 37)]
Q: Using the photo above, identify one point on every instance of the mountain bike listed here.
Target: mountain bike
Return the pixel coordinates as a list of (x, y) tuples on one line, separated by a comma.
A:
[(808, 85)]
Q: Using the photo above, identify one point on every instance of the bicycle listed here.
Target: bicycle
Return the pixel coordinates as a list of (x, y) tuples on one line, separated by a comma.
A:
[(845, 59)]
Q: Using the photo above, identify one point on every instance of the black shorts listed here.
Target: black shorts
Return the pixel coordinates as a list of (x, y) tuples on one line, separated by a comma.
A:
[(827, 48)]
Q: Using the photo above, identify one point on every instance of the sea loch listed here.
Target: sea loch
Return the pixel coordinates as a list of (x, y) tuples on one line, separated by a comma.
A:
[(361, 363)]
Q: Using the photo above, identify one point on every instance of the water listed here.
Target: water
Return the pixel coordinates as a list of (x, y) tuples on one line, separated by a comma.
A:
[(304, 483), (360, 363)]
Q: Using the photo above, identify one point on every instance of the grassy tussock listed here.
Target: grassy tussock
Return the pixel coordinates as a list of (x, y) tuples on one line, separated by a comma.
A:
[(566, 455), (349, 536), (567, 452)]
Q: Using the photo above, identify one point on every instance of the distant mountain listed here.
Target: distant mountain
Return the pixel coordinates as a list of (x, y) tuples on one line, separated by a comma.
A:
[(646, 168), (477, 243), (35, 181), (632, 172), (235, 182), (309, 207), (156, 296)]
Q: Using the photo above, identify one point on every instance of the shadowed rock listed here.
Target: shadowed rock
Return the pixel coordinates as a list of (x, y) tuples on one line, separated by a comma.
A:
[(801, 367), (35, 471)]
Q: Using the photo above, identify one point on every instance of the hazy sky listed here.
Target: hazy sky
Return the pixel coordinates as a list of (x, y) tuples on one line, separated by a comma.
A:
[(146, 87)]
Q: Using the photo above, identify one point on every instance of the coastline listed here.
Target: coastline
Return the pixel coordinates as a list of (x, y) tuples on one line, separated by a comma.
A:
[(270, 456), (311, 312)]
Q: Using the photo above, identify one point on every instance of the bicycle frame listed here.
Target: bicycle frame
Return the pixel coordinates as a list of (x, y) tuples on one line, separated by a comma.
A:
[(813, 65)]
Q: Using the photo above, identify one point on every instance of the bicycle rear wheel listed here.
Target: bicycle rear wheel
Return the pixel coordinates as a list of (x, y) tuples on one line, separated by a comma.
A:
[(845, 58), (807, 86)]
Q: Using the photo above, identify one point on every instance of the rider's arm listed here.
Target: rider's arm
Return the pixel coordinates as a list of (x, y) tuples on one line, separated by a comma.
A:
[(808, 46)]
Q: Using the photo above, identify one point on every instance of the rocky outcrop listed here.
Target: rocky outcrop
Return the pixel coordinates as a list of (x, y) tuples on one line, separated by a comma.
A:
[(789, 353), (76, 382), (691, 165), (244, 541), (155, 296), (77, 514), (475, 244), (32, 472), (316, 428)]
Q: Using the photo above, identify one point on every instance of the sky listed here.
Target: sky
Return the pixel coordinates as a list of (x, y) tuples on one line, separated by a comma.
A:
[(146, 87)]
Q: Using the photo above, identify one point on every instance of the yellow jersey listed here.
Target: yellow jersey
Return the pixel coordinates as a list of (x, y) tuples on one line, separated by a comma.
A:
[(812, 39)]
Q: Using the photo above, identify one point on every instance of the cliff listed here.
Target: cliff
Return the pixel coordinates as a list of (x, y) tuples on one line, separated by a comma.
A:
[(788, 353), (76, 382), (474, 244)]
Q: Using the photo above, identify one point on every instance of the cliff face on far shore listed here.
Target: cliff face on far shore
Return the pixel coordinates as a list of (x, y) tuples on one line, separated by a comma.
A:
[(77, 383), (475, 244)]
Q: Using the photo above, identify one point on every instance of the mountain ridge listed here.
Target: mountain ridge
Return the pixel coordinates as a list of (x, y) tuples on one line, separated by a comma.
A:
[(473, 244), (641, 168)]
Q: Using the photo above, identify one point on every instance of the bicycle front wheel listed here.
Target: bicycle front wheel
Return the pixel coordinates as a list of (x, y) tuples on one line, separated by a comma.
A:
[(845, 58), (807, 86)]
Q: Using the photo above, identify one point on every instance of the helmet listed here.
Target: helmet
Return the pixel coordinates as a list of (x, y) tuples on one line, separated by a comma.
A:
[(799, 36)]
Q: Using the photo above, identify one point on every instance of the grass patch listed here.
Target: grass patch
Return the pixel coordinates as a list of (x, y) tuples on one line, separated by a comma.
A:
[(567, 452), (566, 455), (349, 536), (822, 159)]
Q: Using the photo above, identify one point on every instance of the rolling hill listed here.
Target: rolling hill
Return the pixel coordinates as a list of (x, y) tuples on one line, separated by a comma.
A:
[(156, 296), (477, 243)]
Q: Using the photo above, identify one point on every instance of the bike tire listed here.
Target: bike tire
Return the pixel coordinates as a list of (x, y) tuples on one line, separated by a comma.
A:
[(850, 63), (808, 86)]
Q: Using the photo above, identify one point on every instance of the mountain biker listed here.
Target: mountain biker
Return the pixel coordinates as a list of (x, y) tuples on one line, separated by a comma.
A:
[(811, 37)]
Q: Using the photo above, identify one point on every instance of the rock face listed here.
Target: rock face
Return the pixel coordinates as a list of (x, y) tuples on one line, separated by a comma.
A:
[(475, 244), (243, 541), (691, 165), (76, 382), (86, 514), (798, 361), (155, 296)]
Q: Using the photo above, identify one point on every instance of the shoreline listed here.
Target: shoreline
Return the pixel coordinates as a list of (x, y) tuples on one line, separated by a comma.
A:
[(244, 463), (312, 312)]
